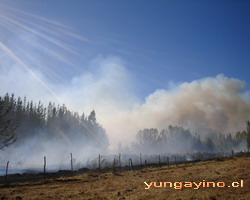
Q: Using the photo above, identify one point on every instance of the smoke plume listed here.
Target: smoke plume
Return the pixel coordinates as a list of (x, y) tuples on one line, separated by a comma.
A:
[(210, 105)]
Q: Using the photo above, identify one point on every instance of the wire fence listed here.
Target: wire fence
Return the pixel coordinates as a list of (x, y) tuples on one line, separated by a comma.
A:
[(102, 163)]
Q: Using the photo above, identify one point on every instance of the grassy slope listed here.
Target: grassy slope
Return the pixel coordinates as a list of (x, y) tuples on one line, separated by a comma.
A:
[(130, 185)]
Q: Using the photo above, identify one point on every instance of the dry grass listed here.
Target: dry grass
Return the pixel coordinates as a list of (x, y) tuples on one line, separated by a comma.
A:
[(130, 185)]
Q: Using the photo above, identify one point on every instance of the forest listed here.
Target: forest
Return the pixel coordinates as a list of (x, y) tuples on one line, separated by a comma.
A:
[(22, 120), (176, 139)]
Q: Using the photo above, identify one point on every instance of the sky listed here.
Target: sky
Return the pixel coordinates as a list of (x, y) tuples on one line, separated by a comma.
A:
[(115, 55)]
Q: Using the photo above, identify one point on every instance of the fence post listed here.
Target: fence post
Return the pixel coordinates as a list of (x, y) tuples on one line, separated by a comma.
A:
[(99, 162), (113, 169), (120, 163), (159, 157), (132, 164), (175, 160), (44, 167), (71, 162), (7, 168)]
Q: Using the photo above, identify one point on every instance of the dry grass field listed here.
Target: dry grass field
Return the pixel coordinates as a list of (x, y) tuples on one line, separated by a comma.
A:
[(130, 185)]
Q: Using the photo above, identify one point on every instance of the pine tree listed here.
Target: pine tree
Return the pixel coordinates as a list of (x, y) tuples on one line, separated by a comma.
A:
[(92, 117), (7, 128), (55, 122)]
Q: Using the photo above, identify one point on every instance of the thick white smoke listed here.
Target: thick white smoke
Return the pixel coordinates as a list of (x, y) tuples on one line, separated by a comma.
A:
[(209, 105)]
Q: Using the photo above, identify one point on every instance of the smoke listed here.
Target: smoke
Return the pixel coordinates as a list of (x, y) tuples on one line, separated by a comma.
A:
[(27, 155), (37, 61), (209, 105), (106, 88)]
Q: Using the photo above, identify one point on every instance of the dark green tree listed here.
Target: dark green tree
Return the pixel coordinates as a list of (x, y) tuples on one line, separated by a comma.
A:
[(7, 127)]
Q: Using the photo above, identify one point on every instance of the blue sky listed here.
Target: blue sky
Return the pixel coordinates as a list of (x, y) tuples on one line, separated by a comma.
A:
[(160, 41)]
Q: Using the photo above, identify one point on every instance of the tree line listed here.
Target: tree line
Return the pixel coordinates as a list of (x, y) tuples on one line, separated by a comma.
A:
[(177, 139), (21, 120)]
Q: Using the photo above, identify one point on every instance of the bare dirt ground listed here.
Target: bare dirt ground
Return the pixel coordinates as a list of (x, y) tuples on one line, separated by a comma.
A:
[(130, 185)]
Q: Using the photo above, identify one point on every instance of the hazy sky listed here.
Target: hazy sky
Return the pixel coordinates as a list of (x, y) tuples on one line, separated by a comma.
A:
[(132, 59)]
